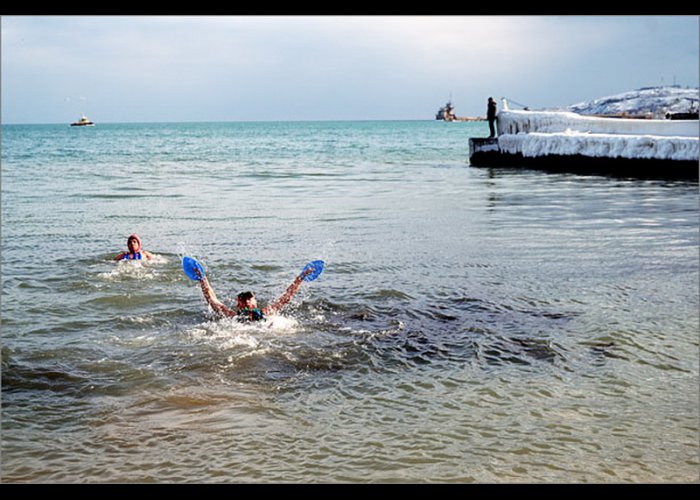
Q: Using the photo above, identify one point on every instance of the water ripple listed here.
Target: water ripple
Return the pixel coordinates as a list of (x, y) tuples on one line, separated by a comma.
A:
[(471, 325)]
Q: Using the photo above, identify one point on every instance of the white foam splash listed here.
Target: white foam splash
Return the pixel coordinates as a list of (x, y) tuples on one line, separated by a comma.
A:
[(128, 269), (137, 269), (158, 259), (281, 324), (229, 333)]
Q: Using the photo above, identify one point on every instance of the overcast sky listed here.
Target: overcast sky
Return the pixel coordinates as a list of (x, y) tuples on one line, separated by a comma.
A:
[(144, 68)]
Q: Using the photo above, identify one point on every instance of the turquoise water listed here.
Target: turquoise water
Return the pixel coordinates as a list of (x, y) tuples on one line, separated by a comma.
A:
[(472, 325)]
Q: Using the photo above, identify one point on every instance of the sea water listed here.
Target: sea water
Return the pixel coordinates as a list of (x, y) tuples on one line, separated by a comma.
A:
[(471, 325)]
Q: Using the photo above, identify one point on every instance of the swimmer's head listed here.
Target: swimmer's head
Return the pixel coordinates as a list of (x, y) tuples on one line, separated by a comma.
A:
[(246, 299), (133, 243)]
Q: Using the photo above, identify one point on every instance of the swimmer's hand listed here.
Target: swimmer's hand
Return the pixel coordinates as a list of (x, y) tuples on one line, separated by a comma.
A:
[(192, 268), (312, 270)]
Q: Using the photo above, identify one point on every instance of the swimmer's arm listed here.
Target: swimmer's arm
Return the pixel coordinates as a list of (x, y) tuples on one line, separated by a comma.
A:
[(284, 299), (120, 256), (213, 301)]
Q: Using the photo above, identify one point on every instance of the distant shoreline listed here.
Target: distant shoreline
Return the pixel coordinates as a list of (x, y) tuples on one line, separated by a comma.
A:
[(97, 124)]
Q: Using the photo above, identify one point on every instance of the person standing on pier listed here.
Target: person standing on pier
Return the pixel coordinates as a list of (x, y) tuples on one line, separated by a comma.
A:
[(491, 116)]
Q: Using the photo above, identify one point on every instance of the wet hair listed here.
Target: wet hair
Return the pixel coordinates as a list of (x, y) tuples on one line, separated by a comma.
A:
[(245, 296)]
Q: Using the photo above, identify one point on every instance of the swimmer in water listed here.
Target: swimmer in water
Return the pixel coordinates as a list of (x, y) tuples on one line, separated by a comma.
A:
[(135, 251), (246, 304)]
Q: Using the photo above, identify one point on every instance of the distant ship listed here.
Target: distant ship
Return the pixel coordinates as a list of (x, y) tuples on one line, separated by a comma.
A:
[(447, 113), (83, 122)]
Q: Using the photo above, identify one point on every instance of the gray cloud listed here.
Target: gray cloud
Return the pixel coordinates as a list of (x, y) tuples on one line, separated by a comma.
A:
[(238, 68)]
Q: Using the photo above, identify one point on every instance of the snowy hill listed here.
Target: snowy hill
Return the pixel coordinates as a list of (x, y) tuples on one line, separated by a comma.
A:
[(656, 101)]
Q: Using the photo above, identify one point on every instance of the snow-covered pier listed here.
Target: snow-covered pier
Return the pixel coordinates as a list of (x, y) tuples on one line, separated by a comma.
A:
[(566, 141)]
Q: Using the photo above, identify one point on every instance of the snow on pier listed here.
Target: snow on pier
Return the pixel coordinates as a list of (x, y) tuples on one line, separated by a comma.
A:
[(541, 133), (600, 145), (563, 140), (516, 122)]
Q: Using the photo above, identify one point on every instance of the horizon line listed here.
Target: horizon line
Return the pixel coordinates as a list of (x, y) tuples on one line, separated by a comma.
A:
[(235, 121)]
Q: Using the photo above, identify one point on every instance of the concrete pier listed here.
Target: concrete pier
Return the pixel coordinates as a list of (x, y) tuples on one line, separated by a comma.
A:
[(485, 152), (567, 142)]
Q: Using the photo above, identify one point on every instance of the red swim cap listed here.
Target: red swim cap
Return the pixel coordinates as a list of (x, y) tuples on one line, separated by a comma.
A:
[(138, 241)]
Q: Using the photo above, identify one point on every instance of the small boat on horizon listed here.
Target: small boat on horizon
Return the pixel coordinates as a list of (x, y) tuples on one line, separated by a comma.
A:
[(83, 122)]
